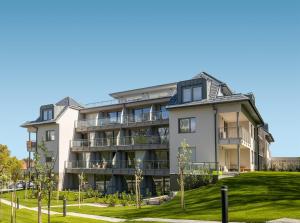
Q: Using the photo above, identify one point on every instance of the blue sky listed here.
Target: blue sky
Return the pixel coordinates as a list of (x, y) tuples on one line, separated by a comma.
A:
[(88, 49)]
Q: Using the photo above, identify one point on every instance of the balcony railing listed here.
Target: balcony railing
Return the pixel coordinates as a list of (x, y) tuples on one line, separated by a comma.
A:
[(229, 133), (31, 146), (129, 100), (124, 120), (123, 164), (121, 141)]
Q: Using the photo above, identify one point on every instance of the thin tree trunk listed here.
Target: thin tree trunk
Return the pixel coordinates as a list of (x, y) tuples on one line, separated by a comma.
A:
[(49, 204), (182, 191), (15, 209), (11, 208), (136, 193), (39, 206), (79, 196)]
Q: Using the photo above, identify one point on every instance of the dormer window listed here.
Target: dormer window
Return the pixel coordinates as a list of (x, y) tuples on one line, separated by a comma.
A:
[(197, 93), (187, 94), (47, 114), (193, 93)]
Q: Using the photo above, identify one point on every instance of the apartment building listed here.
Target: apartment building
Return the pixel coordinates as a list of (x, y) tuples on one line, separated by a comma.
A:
[(145, 127)]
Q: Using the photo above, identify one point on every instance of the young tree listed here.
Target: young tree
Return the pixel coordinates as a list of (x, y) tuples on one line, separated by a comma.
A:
[(183, 158), (4, 167), (138, 180), (44, 178), (80, 179), (15, 173)]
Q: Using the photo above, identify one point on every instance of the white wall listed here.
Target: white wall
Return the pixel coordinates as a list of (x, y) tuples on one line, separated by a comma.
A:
[(66, 134)]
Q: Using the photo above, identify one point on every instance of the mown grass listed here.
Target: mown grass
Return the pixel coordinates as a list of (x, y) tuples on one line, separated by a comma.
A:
[(253, 197), (32, 202), (27, 216)]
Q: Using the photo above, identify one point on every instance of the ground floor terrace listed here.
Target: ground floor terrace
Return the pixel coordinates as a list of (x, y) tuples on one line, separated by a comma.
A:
[(109, 184)]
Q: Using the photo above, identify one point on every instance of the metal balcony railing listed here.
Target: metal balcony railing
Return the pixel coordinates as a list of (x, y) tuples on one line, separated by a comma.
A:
[(201, 168), (232, 133), (122, 164), (129, 100), (121, 141), (125, 120)]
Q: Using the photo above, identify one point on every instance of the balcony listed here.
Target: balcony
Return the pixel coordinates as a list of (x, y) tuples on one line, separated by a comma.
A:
[(120, 143), (234, 136), (123, 167), (143, 97), (147, 119), (31, 146)]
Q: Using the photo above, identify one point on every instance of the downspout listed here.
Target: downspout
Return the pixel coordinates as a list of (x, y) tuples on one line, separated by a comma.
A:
[(257, 145), (216, 135)]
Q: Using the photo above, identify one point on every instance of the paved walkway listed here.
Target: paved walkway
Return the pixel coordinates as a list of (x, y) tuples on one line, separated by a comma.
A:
[(75, 205), (285, 220), (173, 220)]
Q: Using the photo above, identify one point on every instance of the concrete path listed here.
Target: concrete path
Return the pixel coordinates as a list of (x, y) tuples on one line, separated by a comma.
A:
[(95, 217), (173, 220), (84, 204), (285, 220)]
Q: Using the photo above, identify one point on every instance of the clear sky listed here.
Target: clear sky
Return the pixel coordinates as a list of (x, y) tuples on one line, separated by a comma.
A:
[(88, 49)]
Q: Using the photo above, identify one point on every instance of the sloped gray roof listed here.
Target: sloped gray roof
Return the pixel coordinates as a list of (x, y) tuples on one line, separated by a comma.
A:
[(208, 76), (68, 101), (219, 100)]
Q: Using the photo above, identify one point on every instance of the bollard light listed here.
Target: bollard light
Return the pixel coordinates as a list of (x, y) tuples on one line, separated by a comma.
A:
[(224, 201)]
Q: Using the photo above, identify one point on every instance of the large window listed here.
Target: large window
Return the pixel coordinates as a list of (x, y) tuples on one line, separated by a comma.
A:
[(191, 94), (114, 117), (187, 94), (141, 114), (187, 125), (50, 135), (197, 93), (47, 114), (192, 154)]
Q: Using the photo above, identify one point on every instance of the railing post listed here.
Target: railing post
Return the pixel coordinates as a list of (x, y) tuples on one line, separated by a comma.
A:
[(224, 201), (65, 207)]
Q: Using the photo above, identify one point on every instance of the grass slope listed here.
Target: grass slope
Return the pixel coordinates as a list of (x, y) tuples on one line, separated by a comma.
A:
[(26, 216), (253, 197)]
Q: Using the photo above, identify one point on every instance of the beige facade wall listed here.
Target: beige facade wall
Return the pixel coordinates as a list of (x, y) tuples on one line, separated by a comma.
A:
[(52, 146), (66, 134), (202, 139)]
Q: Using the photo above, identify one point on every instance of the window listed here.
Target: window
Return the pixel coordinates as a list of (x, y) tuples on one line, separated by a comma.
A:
[(187, 125), (114, 117), (142, 114), (192, 157), (164, 112), (47, 114), (50, 135), (187, 94), (197, 93), (192, 94)]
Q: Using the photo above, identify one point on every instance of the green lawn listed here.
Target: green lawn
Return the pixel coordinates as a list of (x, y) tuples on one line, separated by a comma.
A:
[(253, 197), (26, 216), (33, 202)]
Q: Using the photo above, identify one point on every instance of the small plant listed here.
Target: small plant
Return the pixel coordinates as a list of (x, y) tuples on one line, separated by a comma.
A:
[(124, 199)]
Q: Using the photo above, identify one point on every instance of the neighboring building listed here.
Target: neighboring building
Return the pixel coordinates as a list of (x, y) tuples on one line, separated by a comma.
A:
[(105, 140), (285, 163)]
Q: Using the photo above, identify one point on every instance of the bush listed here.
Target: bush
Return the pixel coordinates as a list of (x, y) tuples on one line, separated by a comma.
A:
[(125, 199)]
